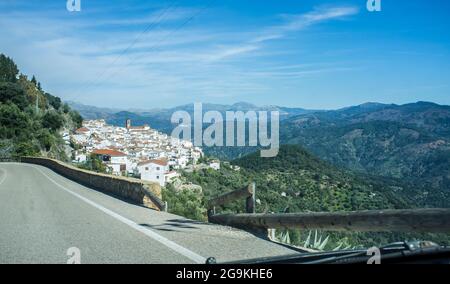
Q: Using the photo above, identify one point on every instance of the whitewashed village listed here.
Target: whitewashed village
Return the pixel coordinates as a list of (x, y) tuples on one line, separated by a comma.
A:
[(137, 151)]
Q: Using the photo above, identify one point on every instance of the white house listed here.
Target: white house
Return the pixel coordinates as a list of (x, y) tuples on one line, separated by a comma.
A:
[(80, 157), (182, 161), (115, 160), (215, 165), (154, 170)]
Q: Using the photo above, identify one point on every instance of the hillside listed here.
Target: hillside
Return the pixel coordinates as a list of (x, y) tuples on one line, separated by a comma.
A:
[(410, 141), (300, 181), (296, 181), (30, 118)]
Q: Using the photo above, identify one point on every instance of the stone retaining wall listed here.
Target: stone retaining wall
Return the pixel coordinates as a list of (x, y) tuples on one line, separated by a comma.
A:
[(135, 190)]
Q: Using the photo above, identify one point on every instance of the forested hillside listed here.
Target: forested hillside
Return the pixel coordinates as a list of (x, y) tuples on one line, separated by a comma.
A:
[(296, 181), (30, 118), (410, 141)]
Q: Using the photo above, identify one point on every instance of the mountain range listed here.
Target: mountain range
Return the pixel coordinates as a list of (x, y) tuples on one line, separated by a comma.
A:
[(410, 141), (159, 118)]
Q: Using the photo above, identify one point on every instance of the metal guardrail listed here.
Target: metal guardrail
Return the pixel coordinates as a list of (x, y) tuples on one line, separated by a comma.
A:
[(434, 220), (409, 220)]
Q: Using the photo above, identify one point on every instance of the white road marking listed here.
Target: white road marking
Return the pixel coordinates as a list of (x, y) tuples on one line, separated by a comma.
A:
[(4, 176), (168, 243)]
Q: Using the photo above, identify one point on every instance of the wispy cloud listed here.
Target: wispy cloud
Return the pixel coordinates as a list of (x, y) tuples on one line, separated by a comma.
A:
[(298, 22), (293, 23), (77, 57), (230, 51), (300, 73), (319, 15)]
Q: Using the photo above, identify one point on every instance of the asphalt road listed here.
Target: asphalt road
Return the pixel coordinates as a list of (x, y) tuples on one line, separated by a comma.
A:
[(46, 218)]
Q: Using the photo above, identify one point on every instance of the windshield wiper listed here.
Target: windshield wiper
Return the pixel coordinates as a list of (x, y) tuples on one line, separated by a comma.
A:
[(392, 253), (389, 252)]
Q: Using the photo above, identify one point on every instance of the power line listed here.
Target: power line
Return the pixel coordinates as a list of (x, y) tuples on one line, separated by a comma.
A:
[(187, 21), (149, 28)]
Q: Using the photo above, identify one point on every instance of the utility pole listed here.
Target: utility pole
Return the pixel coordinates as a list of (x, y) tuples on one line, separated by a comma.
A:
[(37, 104)]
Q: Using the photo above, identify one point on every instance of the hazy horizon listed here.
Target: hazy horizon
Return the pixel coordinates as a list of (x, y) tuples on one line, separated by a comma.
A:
[(243, 102), (323, 54)]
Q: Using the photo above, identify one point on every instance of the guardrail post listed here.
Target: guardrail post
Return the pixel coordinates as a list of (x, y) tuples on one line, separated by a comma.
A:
[(250, 202), (210, 214), (272, 234)]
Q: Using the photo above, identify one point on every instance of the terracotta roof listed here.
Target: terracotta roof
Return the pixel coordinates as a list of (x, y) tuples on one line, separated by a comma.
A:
[(161, 162), (141, 163), (142, 127), (115, 148), (82, 129), (107, 152)]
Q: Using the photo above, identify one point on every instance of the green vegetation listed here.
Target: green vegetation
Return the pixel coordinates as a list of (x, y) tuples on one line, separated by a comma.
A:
[(93, 163), (409, 142), (317, 241), (189, 203), (296, 181), (8, 69), (30, 119)]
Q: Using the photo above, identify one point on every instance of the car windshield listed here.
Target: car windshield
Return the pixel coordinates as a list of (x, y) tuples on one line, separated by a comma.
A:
[(180, 132)]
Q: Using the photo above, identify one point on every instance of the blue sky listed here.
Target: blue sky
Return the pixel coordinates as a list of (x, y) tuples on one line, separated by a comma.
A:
[(312, 54)]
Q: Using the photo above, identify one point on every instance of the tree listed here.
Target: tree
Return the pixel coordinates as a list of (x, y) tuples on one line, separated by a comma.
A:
[(46, 139), (97, 165), (187, 203), (8, 69), (76, 118), (55, 102), (32, 92), (52, 120), (12, 93), (26, 148), (23, 131), (66, 108), (34, 81), (13, 122), (94, 164)]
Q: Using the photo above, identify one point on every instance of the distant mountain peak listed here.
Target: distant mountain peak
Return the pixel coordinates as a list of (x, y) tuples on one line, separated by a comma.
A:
[(243, 105), (425, 103), (371, 104)]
